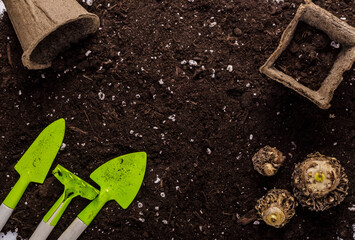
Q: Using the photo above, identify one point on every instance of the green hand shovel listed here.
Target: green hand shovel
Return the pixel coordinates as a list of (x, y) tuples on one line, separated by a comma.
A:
[(73, 187), (119, 179), (34, 165)]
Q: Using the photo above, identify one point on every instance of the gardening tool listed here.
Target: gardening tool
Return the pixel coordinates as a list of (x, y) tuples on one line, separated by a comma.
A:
[(73, 187), (34, 165), (45, 27), (119, 180)]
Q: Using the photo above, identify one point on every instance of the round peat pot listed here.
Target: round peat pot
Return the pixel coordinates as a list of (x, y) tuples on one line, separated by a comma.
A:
[(46, 27)]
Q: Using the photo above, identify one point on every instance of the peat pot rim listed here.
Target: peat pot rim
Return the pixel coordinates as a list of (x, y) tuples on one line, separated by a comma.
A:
[(337, 30), (55, 40)]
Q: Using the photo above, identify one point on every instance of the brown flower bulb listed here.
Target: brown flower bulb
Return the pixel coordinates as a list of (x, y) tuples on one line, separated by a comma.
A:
[(276, 208), (267, 160), (320, 182)]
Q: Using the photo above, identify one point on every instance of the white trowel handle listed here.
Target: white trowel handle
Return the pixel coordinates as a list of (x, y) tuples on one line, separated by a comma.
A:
[(76, 228), (42, 231), (5, 213)]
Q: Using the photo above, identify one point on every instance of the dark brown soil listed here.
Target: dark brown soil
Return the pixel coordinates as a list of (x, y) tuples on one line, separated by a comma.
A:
[(200, 125), (309, 57)]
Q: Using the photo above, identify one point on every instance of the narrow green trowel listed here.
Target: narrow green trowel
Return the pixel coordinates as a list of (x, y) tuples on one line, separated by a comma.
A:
[(73, 187), (119, 179), (34, 165)]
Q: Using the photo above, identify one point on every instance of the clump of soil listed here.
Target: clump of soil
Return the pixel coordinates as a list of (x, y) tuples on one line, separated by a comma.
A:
[(309, 56)]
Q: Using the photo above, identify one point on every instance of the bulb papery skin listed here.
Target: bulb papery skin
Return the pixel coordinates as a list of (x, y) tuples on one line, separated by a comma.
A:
[(269, 169), (267, 161), (276, 208), (320, 177), (319, 182)]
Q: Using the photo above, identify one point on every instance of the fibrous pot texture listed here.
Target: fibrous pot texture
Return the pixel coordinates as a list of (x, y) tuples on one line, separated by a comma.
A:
[(47, 27), (276, 208), (268, 160), (337, 30), (320, 182)]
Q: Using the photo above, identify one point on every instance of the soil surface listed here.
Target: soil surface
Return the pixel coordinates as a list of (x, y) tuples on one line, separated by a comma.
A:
[(180, 81)]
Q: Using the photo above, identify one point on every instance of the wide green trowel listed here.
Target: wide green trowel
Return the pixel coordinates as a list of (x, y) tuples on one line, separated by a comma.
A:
[(34, 165), (73, 187), (119, 180)]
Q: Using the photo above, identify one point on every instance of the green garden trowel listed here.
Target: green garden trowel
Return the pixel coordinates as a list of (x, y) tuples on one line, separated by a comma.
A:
[(34, 165), (73, 187), (119, 179)]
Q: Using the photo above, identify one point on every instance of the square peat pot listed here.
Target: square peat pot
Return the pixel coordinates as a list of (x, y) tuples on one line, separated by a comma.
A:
[(338, 31)]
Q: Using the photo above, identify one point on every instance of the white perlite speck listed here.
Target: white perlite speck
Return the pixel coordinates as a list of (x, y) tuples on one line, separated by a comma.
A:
[(89, 2), (192, 63), (101, 95), (157, 180), (63, 146), (88, 53), (172, 117), (230, 68), (278, 1), (335, 44), (212, 24), (2, 9)]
